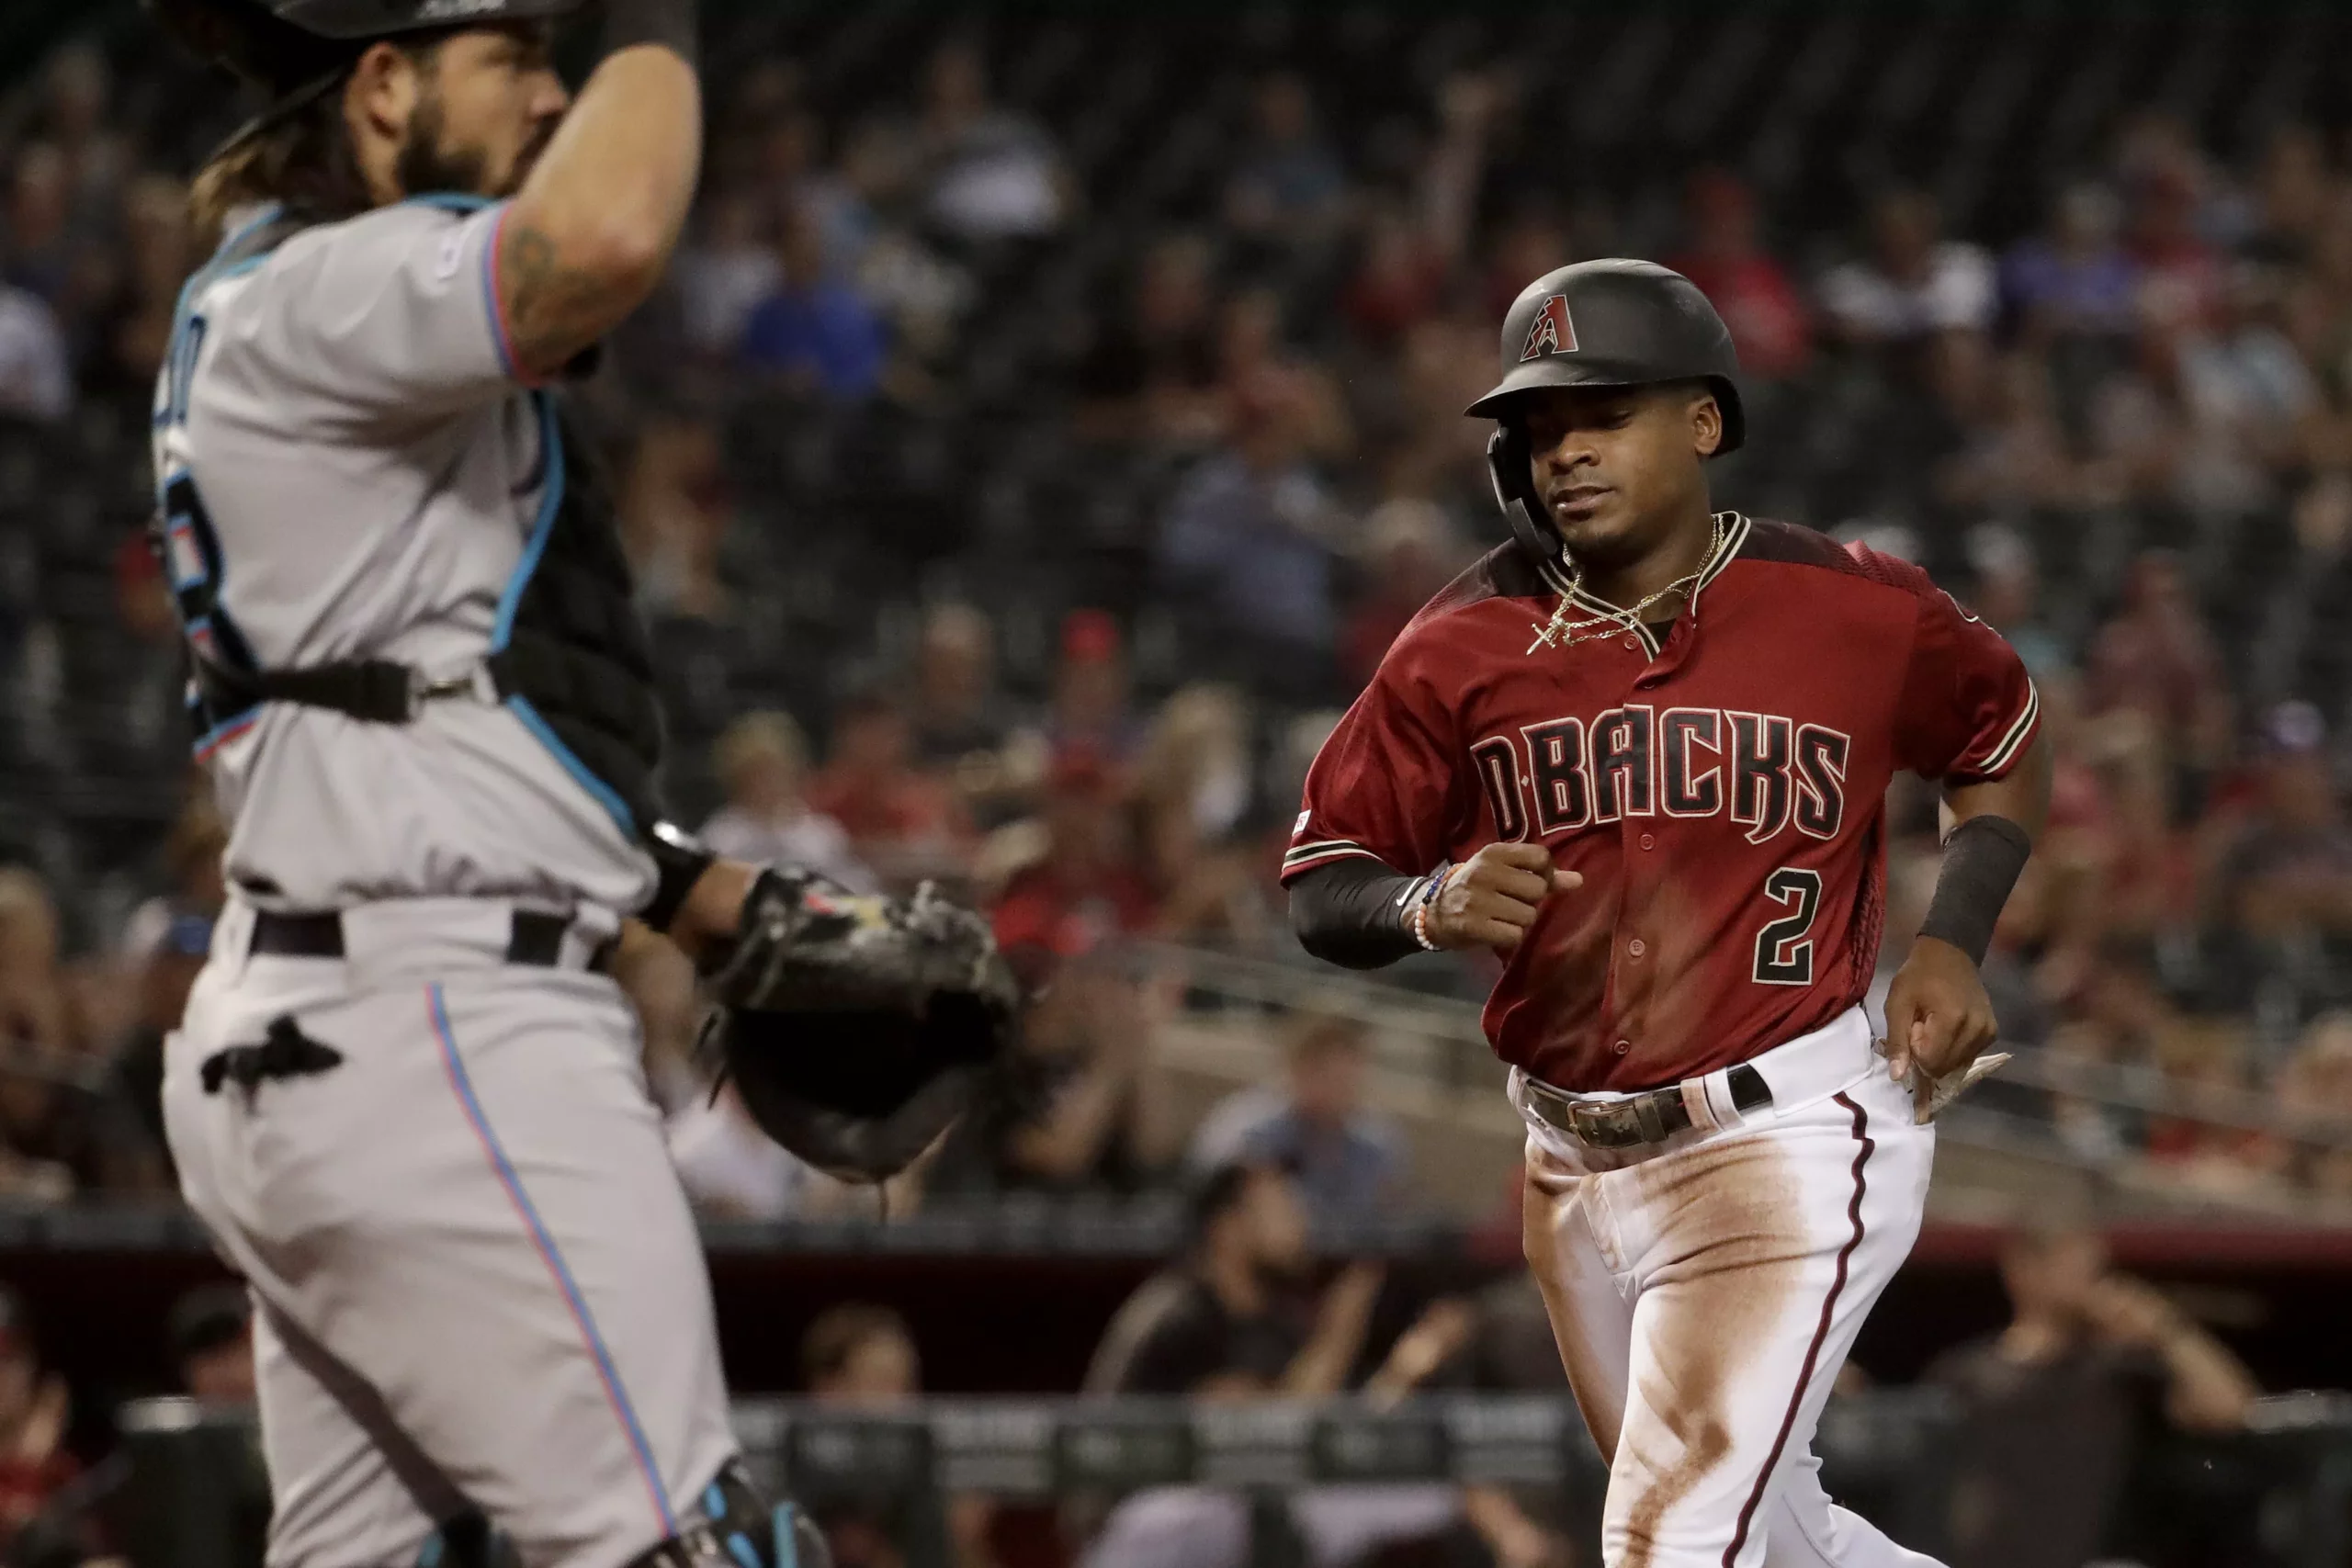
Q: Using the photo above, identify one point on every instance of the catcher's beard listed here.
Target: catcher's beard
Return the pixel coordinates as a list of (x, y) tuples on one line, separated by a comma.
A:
[(428, 164)]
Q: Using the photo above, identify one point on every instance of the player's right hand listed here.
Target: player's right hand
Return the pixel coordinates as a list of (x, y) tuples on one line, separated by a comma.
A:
[(1490, 899)]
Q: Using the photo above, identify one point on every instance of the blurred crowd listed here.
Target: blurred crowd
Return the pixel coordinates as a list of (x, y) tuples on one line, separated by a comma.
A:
[(1016, 496), (1042, 437)]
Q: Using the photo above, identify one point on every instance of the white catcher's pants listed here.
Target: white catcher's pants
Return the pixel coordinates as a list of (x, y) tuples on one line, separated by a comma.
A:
[(1705, 1292), (479, 1285)]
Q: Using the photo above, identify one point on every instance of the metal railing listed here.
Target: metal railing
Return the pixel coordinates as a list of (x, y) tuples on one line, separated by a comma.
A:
[(1439, 1041), (190, 1492)]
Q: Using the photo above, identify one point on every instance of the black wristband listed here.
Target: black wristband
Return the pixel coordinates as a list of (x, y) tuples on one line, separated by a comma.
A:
[(668, 24), (1982, 860), (679, 860)]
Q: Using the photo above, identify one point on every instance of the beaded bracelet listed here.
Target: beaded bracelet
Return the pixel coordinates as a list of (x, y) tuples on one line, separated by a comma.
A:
[(1417, 923)]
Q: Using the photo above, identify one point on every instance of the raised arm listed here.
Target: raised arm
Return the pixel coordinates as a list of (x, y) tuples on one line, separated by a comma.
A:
[(593, 227)]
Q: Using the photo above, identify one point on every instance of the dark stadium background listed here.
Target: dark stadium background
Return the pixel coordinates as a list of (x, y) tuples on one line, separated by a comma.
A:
[(1070, 517)]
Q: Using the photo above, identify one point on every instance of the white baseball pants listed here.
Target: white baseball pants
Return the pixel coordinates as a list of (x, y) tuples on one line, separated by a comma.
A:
[(479, 1285), (1705, 1292)]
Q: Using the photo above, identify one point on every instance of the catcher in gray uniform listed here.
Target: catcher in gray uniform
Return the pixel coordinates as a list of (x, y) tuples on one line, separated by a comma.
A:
[(406, 1096)]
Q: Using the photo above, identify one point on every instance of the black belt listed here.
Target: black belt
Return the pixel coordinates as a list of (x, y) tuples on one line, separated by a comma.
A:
[(536, 939), (1651, 1117)]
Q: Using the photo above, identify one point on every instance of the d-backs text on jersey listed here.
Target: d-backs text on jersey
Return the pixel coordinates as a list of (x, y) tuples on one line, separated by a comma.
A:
[(1767, 773)]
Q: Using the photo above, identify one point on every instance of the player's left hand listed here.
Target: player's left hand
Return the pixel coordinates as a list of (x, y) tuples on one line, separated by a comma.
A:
[(1939, 1018)]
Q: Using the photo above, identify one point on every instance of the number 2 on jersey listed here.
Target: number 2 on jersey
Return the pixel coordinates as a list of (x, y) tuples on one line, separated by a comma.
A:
[(1784, 951)]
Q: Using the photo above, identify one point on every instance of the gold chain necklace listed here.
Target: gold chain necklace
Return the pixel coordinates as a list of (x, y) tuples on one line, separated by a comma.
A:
[(1562, 631)]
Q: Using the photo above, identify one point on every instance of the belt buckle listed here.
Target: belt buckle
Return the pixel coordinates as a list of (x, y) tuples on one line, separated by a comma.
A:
[(1609, 1126), (1615, 1124)]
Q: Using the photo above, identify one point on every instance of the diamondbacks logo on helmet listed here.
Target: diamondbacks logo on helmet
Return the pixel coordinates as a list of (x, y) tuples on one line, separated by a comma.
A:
[(1552, 331)]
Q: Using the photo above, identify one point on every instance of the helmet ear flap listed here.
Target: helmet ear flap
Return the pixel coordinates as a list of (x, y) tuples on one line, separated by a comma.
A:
[(1507, 467)]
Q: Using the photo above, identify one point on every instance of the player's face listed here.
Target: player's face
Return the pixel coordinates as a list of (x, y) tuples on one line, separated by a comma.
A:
[(1277, 1224), (1616, 467), (488, 104)]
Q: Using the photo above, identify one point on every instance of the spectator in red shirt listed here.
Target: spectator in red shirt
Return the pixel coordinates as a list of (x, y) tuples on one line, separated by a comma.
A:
[(1089, 710), (2157, 656), (1400, 281), (1086, 888), (1753, 292), (1411, 553), (1533, 241), (34, 1411), (2167, 179), (1065, 1111), (904, 823)]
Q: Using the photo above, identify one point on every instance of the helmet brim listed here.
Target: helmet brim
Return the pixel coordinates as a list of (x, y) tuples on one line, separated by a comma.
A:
[(1543, 375), (353, 20), (1546, 373)]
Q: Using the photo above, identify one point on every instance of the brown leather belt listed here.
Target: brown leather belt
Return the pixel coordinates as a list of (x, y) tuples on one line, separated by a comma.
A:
[(1650, 1117), (536, 942)]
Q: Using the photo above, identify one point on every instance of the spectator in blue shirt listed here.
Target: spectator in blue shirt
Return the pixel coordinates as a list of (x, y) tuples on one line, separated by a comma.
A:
[(1348, 1162), (1248, 545), (815, 330), (1289, 185), (2077, 279)]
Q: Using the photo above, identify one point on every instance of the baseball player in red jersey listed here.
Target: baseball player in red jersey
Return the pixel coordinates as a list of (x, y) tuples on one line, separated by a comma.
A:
[(1642, 753)]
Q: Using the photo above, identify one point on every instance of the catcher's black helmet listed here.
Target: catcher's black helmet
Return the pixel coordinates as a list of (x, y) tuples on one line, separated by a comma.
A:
[(1601, 323), (285, 47)]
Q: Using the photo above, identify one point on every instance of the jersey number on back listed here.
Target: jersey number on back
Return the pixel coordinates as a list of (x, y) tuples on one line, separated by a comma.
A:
[(1784, 951)]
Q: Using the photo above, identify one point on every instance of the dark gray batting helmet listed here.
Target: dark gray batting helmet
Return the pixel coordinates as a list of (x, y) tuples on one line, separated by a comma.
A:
[(1601, 323), (295, 50)]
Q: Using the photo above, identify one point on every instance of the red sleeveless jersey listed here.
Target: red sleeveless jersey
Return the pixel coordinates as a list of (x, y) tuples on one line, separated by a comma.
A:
[(1722, 793)]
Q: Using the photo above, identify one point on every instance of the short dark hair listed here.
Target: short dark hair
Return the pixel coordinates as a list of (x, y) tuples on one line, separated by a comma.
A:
[(1218, 1193), (839, 1333), (208, 1318)]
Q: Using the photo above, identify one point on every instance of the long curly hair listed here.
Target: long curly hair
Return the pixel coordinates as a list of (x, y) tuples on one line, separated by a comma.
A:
[(305, 162)]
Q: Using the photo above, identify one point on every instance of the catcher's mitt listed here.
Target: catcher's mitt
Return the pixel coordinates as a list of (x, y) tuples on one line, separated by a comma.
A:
[(856, 1029)]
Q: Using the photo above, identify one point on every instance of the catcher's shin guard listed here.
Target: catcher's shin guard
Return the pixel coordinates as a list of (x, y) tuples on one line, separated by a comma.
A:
[(739, 1530)]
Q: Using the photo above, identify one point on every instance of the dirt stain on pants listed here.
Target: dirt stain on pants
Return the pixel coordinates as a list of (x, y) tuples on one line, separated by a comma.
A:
[(1722, 1246)]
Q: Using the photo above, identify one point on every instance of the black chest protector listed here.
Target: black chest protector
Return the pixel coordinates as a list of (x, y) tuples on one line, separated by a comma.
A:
[(568, 655)]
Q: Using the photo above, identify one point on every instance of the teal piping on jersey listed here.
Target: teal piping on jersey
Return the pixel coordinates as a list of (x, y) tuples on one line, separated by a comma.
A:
[(236, 724), (209, 270), (459, 201), (550, 501), (212, 272), (511, 602), (204, 277), (493, 302), (615, 807)]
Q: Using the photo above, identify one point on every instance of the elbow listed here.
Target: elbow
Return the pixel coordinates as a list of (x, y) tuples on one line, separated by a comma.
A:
[(1311, 936), (572, 258), (628, 256)]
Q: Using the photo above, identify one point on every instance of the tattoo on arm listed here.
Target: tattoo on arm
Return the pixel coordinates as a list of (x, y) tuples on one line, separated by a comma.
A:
[(553, 311)]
